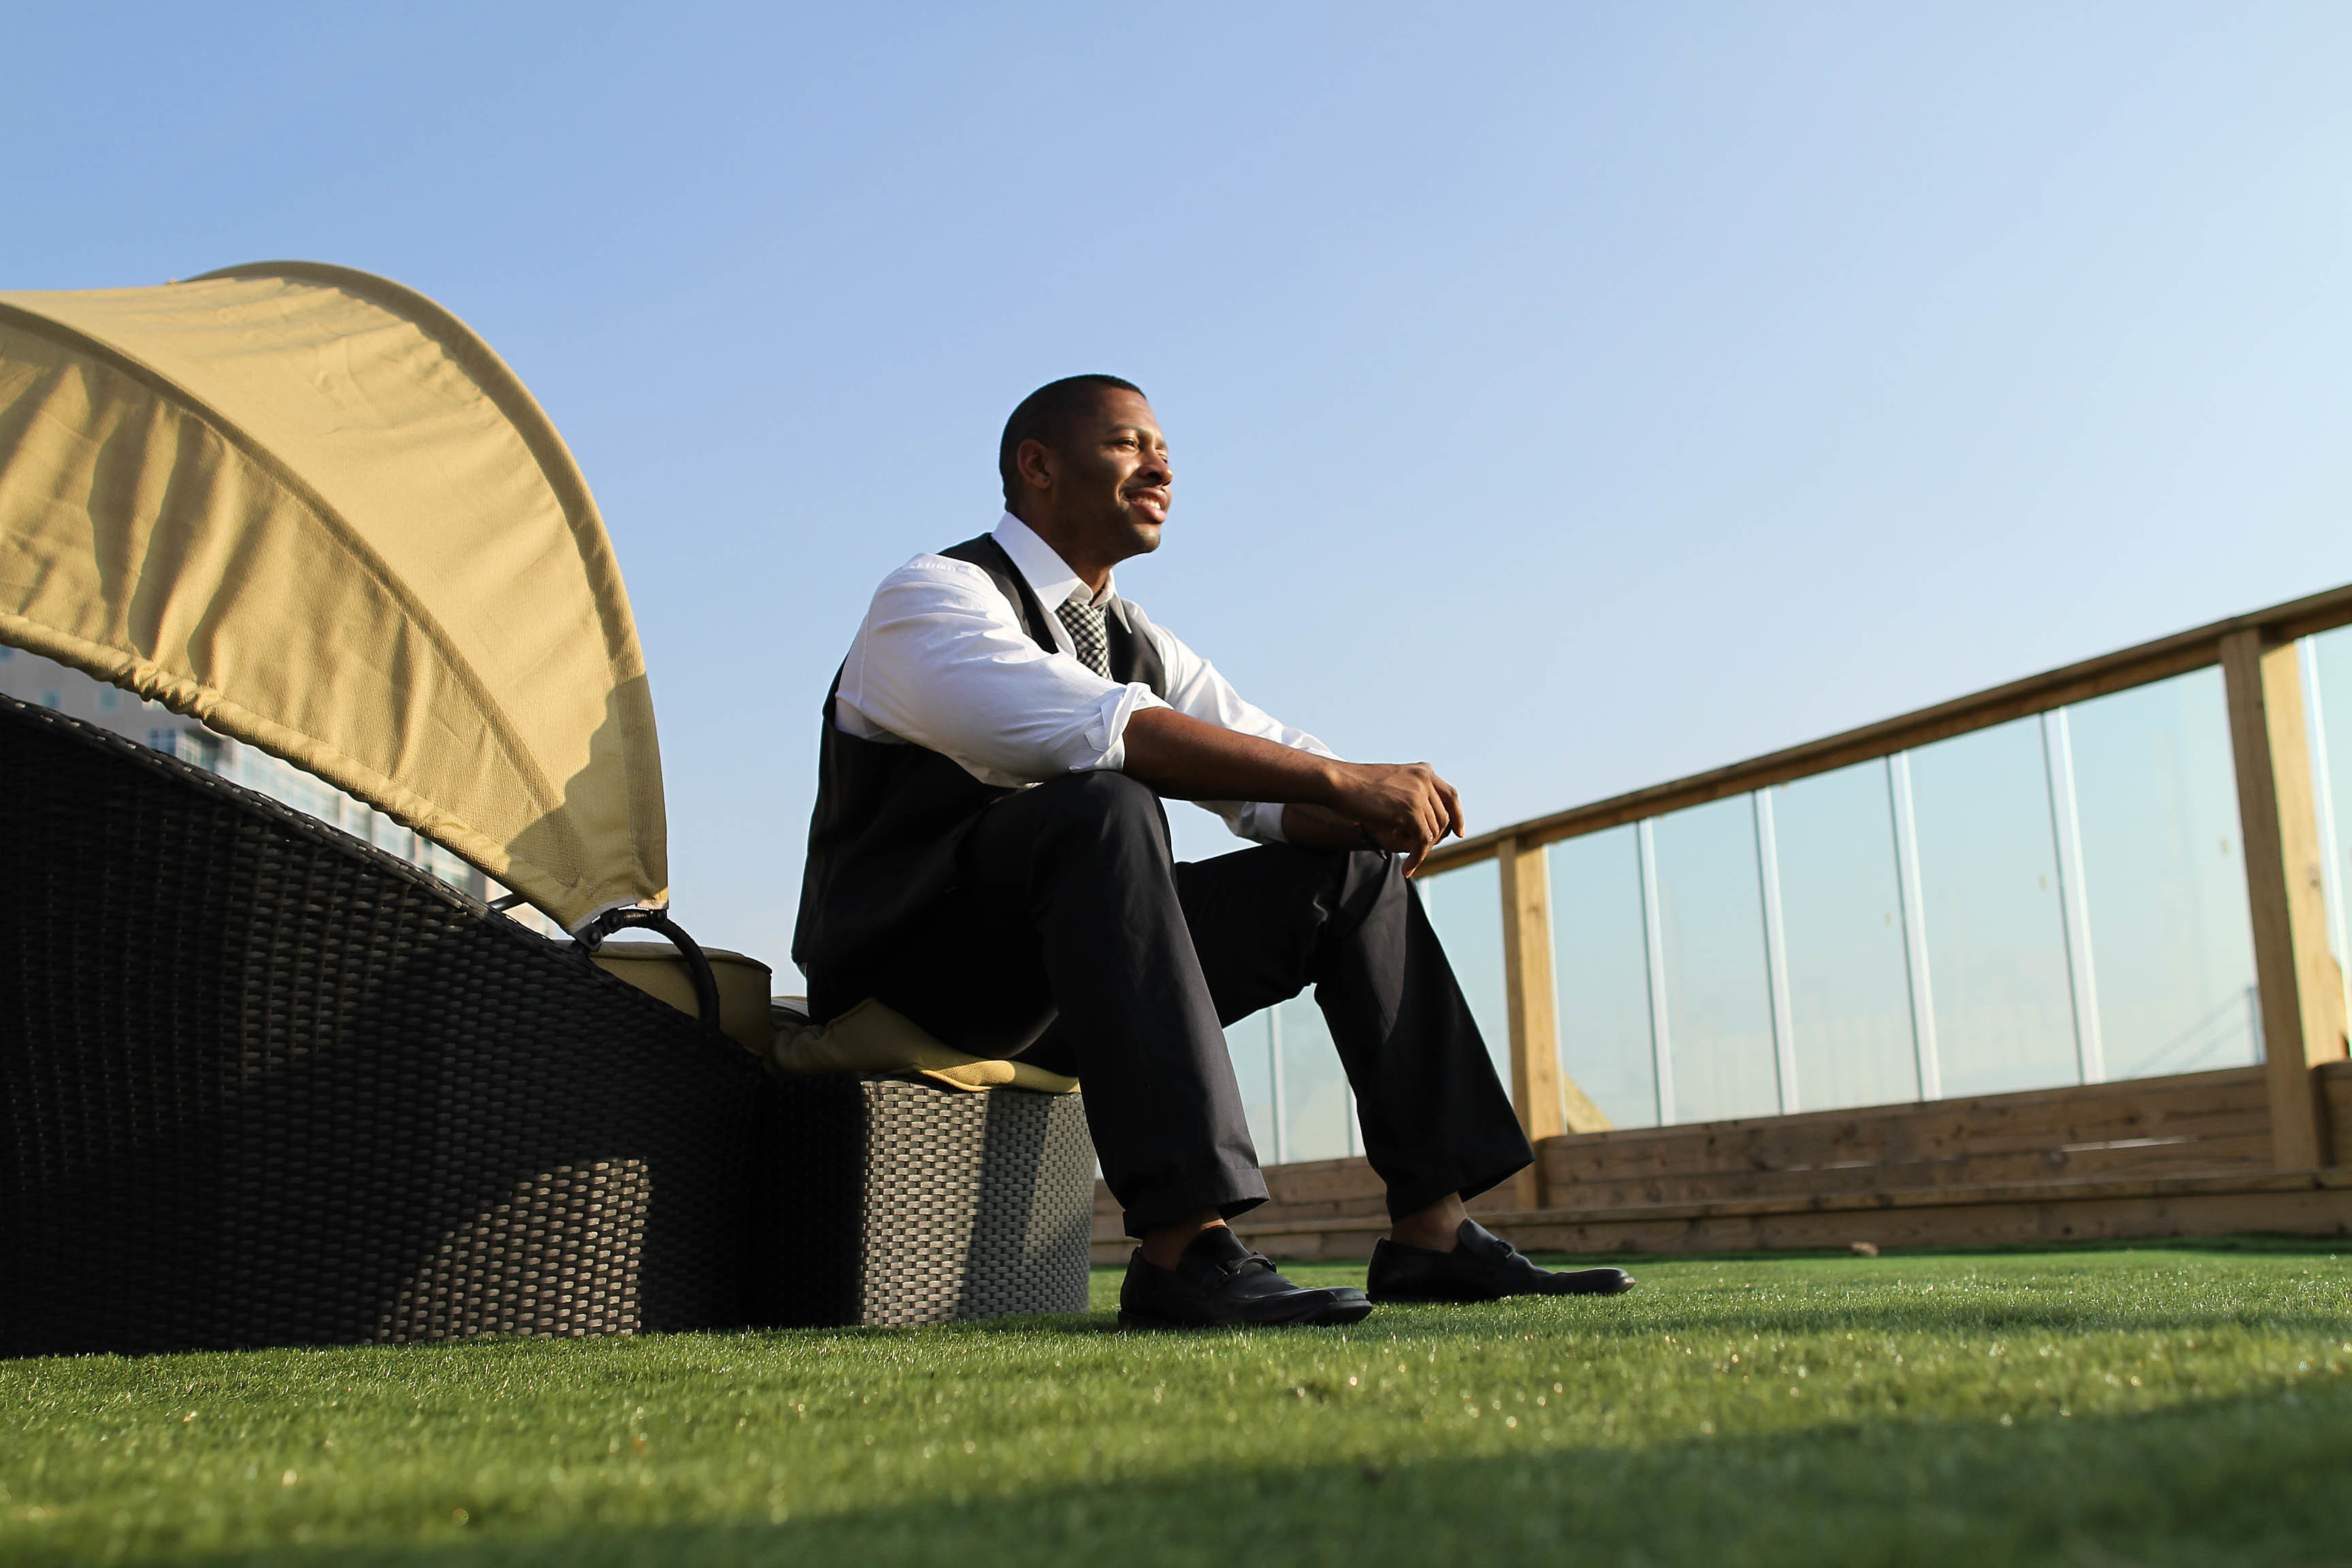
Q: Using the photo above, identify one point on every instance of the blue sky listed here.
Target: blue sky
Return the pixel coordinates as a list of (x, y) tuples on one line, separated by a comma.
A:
[(1573, 395)]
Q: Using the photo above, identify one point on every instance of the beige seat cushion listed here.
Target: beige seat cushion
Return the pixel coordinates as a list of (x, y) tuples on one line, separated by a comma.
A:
[(655, 968), (875, 1039)]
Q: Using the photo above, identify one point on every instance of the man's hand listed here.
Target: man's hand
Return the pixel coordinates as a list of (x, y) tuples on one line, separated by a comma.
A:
[(1403, 807)]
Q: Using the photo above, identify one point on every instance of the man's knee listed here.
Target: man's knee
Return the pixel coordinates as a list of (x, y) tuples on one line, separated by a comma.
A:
[(1373, 878), (1105, 804)]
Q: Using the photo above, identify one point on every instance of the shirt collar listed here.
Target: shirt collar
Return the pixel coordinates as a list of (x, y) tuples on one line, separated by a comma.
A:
[(1049, 576)]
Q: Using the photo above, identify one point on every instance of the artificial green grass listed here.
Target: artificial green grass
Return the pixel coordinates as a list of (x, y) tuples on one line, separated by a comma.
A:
[(2096, 1407)]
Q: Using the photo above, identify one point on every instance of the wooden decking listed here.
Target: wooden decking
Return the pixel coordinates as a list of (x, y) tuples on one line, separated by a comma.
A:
[(2155, 1157)]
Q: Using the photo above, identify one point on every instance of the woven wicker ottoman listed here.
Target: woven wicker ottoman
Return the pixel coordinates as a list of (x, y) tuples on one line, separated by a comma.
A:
[(899, 1202)]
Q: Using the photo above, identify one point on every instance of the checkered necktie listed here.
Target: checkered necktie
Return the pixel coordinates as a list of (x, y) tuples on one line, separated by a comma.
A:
[(1083, 619)]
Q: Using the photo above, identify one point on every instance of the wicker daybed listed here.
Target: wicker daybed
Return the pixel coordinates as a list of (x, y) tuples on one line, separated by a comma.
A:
[(262, 1084)]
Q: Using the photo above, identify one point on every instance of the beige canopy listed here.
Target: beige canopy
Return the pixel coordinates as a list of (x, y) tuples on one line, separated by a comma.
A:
[(310, 508)]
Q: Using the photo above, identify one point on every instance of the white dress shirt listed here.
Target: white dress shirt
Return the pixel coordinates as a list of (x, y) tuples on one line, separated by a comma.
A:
[(941, 661)]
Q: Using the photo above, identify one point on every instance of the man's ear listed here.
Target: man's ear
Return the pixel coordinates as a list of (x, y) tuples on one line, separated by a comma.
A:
[(1034, 461)]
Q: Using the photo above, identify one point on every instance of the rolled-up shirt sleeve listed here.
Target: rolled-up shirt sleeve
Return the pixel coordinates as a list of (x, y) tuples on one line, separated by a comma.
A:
[(941, 663)]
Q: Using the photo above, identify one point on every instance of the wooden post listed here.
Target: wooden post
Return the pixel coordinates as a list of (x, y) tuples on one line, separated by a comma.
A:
[(2301, 989), (1528, 991), (1548, 1100)]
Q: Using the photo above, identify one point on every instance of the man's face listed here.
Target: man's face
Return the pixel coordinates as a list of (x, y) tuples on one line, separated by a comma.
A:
[(1113, 476)]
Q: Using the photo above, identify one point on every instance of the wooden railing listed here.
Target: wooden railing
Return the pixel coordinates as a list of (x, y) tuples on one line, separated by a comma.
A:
[(2301, 989)]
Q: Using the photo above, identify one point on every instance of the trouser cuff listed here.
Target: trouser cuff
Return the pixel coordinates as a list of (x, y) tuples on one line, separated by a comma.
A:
[(1229, 1193), (1413, 1199)]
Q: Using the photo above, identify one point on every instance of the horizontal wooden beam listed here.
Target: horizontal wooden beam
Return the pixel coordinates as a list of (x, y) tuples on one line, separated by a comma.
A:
[(2118, 671)]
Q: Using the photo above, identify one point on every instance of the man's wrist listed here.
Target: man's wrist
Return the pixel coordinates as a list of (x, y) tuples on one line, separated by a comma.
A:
[(1330, 780)]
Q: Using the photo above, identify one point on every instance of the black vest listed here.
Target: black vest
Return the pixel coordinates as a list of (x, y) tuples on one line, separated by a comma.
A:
[(888, 819)]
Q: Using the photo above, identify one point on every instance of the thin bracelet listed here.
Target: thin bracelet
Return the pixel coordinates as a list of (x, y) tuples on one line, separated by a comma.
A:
[(1371, 842)]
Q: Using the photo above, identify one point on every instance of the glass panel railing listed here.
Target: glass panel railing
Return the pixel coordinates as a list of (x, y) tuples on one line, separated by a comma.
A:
[(1841, 917), (1710, 924), (1465, 908), (2057, 900), (1250, 1043), (1318, 1110), (1990, 885), (1601, 974), (2170, 972)]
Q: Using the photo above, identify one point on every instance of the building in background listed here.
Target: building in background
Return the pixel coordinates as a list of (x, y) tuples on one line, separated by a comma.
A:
[(30, 678)]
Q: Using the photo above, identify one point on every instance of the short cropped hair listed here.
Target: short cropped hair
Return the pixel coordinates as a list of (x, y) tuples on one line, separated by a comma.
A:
[(1045, 415)]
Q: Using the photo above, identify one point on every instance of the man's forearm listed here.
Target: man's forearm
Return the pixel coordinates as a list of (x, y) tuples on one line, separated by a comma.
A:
[(1399, 806), (1190, 759)]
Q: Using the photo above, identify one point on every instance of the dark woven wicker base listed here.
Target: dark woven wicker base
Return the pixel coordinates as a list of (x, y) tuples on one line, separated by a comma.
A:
[(902, 1203), (262, 1084)]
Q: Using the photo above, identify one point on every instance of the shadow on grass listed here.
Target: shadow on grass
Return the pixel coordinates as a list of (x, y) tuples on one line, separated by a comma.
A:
[(2252, 1480), (1743, 1305), (1732, 1303), (1711, 1309)]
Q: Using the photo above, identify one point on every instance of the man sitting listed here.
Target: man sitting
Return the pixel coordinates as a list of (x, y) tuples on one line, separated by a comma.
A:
[(990, 858)]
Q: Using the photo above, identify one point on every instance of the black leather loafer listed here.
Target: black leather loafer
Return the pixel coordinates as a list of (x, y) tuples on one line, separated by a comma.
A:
[(1483, 1267), (1220, 1283)]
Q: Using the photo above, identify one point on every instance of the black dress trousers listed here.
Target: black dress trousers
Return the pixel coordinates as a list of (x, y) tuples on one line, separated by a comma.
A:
[(1073, 936)]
